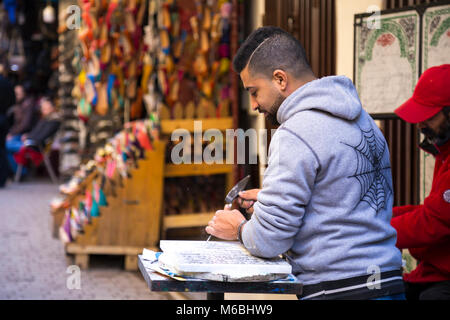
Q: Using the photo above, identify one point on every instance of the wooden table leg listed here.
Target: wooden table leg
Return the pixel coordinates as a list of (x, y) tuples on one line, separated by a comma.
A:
[(131, 263), (82, 260), (215, 296)]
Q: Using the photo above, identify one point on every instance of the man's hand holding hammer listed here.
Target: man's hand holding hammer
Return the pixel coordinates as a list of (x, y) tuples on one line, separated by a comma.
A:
[(226, 223), (247, 199)]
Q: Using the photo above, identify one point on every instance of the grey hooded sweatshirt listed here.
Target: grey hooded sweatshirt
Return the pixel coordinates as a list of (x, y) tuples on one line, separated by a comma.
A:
[(327, 193)]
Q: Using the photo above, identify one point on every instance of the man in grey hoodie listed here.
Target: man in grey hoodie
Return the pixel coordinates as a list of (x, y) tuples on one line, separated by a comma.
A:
[(327, 195)]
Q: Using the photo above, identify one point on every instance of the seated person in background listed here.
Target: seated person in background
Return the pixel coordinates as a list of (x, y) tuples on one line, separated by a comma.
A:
[(24, 111), (25, 115), (425, 229), (46, 128)]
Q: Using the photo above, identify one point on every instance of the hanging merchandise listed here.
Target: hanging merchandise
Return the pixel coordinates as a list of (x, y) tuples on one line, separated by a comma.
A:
[(48, 14), (176, 67), (86, 217), (193, 58), (74, 222), (48, 25), (152, 97), (88, 201), (11, 7), (112, 69), (110, 38), (64, 230), (77, 222), (73, 108), (16, 53), (95, 210)]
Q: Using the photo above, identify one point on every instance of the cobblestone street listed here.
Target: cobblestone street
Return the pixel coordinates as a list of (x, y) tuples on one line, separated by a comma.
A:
[(33, 265)]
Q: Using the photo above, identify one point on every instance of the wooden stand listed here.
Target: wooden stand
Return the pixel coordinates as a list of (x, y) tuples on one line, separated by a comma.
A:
[(132, 219)]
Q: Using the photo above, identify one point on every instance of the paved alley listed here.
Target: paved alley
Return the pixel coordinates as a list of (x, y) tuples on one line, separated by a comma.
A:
[(33, 264)]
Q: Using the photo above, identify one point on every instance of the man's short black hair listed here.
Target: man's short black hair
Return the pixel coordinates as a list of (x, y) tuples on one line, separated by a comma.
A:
[(269, 48)]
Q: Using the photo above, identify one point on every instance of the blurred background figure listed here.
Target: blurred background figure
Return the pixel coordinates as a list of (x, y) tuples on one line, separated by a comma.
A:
[(33, 142), (25, 115), (24, 111), (7, 99)]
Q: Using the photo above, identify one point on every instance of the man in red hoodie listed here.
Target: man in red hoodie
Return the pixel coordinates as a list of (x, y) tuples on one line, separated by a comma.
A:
[(425, 229)]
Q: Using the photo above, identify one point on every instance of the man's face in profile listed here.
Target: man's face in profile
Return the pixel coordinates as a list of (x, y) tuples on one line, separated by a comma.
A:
[(264, 94)]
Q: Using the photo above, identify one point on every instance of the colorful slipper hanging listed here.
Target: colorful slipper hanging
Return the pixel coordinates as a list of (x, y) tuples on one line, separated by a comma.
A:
[(102, 199), (95, 211)]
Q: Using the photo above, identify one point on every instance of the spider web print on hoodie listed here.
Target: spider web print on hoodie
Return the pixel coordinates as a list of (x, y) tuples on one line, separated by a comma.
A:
[(373, 170)]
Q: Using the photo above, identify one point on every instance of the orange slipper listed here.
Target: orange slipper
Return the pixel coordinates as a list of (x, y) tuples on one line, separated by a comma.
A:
[(174, 89), (189, 111), (200, 65), (105, 56), (102, 103), (136, 106), (146, 72), (216, 30), (178, 111), (166, 20), (194, 25), (104, 34), (204, 42), (165, 41), (132, 88), (164, 112), (129, 22), (132, 68), (207, 19), (207, 88), (162, 80), (223, 110)]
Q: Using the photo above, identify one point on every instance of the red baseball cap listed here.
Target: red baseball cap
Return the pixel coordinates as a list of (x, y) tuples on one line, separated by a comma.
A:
[(432, 93)]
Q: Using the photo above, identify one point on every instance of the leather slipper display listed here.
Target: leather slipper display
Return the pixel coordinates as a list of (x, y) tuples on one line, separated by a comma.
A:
[(110, 39), (177, 66), (70, 53), (194, 40), (97, 181)]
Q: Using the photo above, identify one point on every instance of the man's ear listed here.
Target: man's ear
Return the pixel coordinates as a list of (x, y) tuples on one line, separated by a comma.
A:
[(280, 78)]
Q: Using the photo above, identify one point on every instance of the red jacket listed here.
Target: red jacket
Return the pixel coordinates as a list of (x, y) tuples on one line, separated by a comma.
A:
[(425, 229)]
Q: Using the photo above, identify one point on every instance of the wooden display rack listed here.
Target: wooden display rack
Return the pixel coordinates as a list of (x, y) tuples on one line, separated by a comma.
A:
[(132, 219), (194, 219)]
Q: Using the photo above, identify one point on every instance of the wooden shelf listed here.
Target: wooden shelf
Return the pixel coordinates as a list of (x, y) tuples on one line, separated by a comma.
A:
[(184, 170), (199, 219), (187, 220), (74, 248), (168, 126)]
